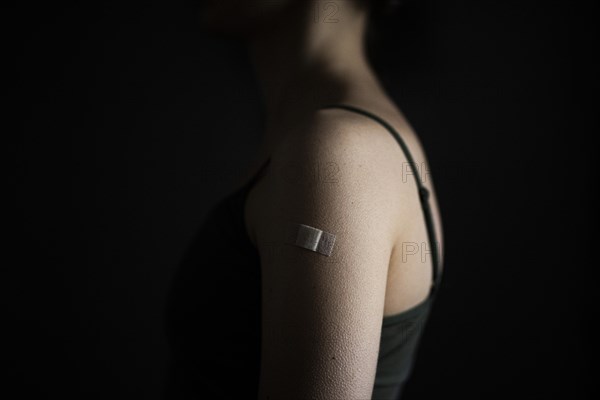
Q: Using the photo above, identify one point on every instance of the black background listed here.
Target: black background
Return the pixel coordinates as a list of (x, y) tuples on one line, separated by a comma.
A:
[(126, 123)]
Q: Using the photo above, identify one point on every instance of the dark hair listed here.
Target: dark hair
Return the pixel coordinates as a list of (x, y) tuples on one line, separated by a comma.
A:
[(381, 13), (388, 27), (382, 8)]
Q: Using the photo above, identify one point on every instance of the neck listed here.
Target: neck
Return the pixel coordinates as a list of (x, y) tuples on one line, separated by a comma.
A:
[(304, 61)]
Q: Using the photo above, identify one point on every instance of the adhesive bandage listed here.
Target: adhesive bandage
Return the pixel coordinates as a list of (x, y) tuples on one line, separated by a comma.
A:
[(310, 238)]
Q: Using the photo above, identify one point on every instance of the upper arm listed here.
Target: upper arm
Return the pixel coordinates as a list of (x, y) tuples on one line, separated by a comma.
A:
[(322, 316)]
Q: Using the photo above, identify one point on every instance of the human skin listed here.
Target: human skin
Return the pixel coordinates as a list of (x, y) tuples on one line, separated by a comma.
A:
[(337, 171)]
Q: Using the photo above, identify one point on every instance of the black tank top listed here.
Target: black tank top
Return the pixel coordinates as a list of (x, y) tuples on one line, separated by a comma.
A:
[(215, 352)]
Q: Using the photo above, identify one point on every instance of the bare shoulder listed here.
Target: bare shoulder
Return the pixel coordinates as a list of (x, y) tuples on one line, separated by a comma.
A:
[(335, 129), (322, 313), (342, 160)]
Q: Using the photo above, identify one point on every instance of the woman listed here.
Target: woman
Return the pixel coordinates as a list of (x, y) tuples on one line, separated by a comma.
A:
[(314, 278)]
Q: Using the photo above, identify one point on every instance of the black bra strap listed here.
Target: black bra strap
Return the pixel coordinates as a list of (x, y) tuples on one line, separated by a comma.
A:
[(423, 192)]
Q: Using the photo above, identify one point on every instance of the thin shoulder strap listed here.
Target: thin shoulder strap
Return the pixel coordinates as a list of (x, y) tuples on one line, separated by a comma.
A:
[(423, 192)]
